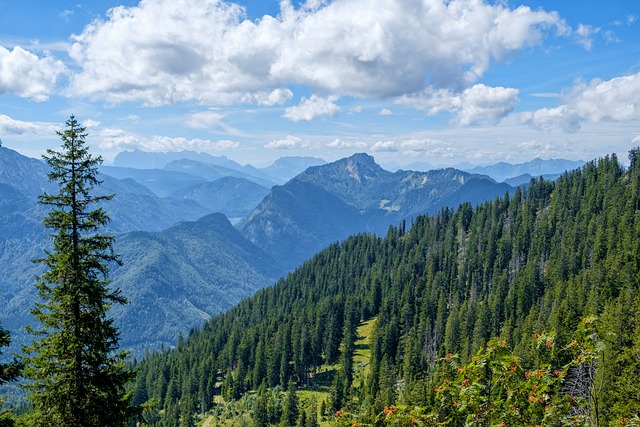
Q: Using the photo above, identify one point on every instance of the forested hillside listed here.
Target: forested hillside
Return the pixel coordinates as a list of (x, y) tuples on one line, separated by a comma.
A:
[(534, 263)]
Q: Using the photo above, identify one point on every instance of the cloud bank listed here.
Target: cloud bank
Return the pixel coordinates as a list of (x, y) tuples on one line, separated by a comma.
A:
[(166, 51), (26, 75), (615, 100)]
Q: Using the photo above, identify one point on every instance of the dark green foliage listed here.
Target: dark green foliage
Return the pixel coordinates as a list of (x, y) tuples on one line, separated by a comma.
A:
[(8, 372), (540, 259), (290, 410), (77, 378)]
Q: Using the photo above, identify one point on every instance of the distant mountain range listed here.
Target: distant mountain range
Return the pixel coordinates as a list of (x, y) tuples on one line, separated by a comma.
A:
[(330, 202), (211, 167), (176, 278), (188, 271), (535, 168), (183, 261)]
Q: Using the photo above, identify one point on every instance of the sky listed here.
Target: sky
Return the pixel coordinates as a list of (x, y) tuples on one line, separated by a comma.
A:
[(407, 81)]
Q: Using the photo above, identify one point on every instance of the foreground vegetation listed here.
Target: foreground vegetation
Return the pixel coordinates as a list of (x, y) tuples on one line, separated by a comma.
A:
[(472, 290)]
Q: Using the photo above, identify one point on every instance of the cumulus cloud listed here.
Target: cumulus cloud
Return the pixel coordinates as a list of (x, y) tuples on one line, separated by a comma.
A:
[(427, 147), (341, 143), (204, 120), (90, 123), (417, 147), (615, 100), (384, 146), (289, 143), (110, 138), (584, 34), (16, 127), (165, 51), (24, 74), (385, 112), (472, 106), (311, 108)]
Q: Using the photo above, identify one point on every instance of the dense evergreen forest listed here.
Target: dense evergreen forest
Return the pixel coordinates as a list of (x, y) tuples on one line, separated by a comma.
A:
[(521, 267)]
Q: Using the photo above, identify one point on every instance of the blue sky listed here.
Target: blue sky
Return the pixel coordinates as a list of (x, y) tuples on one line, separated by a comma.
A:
[(404, 80)]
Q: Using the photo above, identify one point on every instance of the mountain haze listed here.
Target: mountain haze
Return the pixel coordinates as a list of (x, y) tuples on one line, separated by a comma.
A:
[(330, 202), (177, 278), (537, 167), (173, 273)]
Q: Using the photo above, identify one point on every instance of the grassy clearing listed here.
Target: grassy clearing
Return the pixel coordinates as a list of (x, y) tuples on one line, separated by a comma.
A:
[(362, 354), (236, 414)]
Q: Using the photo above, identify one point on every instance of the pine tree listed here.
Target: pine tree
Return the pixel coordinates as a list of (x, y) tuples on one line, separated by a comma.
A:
[(77, 376), (8, 372), (290, 406)]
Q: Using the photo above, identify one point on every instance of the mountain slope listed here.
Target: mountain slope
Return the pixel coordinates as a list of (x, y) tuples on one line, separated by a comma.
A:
[(213, 172), (537, 261), (206, 266), (330, 202), (177, 278), (234, 197)]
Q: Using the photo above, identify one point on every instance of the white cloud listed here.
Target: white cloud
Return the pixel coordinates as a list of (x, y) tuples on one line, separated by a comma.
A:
[(384, 146), (16, 127), (615, 100), (636, 140), (385, 112), (89, 123), (584, 34), (341, 143), (423, 147), (119, 139), (289, 143), (472, 106), (165, 51), (24, 74), (426, 147), (204, 120), (311, 108), (275, 97)]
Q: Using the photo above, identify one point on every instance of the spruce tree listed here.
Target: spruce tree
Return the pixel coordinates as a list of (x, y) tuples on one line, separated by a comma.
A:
[(77, 375), (8, 372)]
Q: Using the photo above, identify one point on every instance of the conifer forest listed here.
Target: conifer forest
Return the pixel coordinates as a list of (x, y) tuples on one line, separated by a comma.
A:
[(521, 311)]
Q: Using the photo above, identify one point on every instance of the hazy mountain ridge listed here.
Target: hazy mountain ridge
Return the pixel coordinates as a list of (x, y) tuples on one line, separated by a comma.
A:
[(503, 171), (157, 160), (280, 171), (226, 271), (353, 195), (214, 172), (291, 222), (285, 168), (234, 197), (178, 277)]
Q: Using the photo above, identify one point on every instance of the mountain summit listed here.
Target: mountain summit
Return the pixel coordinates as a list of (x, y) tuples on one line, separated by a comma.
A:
[(353, 195)]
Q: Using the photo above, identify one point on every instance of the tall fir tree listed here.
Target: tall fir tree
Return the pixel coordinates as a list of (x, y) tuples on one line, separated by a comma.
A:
[(77, 375), (9, 371)]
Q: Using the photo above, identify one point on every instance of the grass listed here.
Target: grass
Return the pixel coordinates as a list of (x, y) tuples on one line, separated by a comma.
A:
[(363, 342), (319, 388)]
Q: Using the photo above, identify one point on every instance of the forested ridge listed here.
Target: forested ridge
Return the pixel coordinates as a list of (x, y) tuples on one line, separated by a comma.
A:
[(537, 262)]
